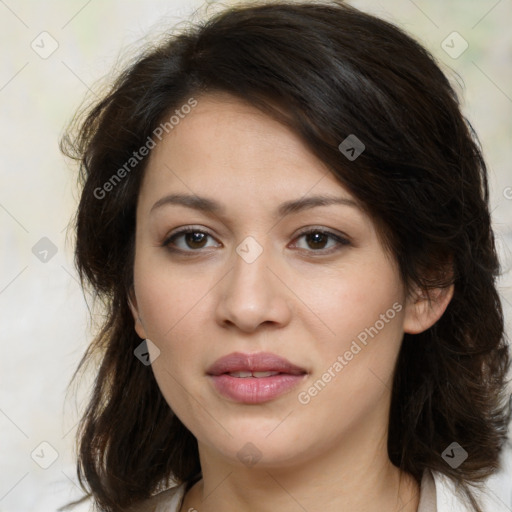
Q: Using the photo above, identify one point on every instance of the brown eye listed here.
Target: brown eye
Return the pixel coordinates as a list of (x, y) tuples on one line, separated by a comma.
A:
[(318, 240), (187, 240), (195, 240)]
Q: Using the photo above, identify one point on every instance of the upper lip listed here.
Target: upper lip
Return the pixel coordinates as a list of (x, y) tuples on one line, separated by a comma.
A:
[(259, 362)]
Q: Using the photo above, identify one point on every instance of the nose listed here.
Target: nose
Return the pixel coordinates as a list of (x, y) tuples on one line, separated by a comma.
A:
[(253, 294)]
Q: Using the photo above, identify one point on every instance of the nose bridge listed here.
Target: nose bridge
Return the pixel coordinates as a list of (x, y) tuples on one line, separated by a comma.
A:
[(252, 294), (251, 261), (250, 276)]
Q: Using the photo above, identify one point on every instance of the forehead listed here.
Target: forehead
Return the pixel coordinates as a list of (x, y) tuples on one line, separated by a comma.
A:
[(225, 144)]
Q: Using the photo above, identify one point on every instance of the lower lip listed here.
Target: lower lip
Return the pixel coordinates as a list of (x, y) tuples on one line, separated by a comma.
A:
[(254, 390)]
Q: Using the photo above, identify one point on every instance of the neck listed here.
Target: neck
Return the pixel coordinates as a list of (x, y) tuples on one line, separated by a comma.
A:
[(340, 480)]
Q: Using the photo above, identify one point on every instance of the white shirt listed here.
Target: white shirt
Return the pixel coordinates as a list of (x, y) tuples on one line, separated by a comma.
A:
[(437, 494)]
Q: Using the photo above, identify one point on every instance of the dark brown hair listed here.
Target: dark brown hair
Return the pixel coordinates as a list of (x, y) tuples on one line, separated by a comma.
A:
[(332, 71)]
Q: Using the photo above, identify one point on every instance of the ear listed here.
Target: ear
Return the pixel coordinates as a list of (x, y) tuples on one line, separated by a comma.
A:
[(423, 310), (132, 302)]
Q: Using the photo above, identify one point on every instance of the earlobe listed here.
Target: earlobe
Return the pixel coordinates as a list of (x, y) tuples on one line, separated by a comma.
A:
[(423, 310), (132, 303)]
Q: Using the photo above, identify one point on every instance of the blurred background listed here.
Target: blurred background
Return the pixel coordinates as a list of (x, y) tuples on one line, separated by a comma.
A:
[(53, 55)]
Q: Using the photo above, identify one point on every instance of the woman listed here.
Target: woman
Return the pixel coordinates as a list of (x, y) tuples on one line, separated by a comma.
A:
[(286, 216)]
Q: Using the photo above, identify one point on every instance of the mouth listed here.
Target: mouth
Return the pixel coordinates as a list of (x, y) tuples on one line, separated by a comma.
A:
[(259, 365), (257, 375), (254, 378)]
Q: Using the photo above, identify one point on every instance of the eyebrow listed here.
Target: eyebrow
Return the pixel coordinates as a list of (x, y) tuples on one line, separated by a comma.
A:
[(208, 205)]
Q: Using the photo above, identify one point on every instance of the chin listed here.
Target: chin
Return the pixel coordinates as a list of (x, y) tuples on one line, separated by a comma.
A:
[(256, 449)]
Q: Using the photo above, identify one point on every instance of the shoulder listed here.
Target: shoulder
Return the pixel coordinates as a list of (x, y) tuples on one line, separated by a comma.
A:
[(495, 494), (169, 500)]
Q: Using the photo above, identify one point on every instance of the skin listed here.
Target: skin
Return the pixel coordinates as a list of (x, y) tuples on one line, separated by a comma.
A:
[(302, 299)]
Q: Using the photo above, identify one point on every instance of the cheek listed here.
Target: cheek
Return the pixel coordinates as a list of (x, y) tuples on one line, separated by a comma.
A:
[(356, 363), (355, 372), (355, 302), (173, 306), (166, 297), (169, 306)]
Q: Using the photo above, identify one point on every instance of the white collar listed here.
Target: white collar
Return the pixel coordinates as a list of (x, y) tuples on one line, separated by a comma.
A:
[(438, 493), (495, 495)]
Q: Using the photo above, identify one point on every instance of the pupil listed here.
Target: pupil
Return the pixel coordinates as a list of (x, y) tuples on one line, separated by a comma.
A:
[(195, 238), (317, 238)]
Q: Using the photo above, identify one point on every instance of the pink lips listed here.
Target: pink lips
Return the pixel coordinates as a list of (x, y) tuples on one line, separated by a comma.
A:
[(254, 389)]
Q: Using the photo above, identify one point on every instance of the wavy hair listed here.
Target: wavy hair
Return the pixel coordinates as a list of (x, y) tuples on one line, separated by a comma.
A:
[(326, 70)]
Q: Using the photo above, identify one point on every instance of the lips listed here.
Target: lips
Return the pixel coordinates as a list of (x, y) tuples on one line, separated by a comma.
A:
[(254, 378), (254, 363)]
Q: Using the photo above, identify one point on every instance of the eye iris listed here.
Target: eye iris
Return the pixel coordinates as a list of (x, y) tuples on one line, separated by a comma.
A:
[(316, 238), (194, 238)]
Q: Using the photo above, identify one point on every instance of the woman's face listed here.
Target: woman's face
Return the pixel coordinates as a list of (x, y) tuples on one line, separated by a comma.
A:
[(247, 280)]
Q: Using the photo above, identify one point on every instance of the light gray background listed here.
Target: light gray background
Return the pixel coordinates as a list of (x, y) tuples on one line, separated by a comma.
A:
[(45, 326)]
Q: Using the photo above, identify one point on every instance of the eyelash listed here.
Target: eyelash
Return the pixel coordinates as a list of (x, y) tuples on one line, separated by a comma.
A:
[(340, 240)]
